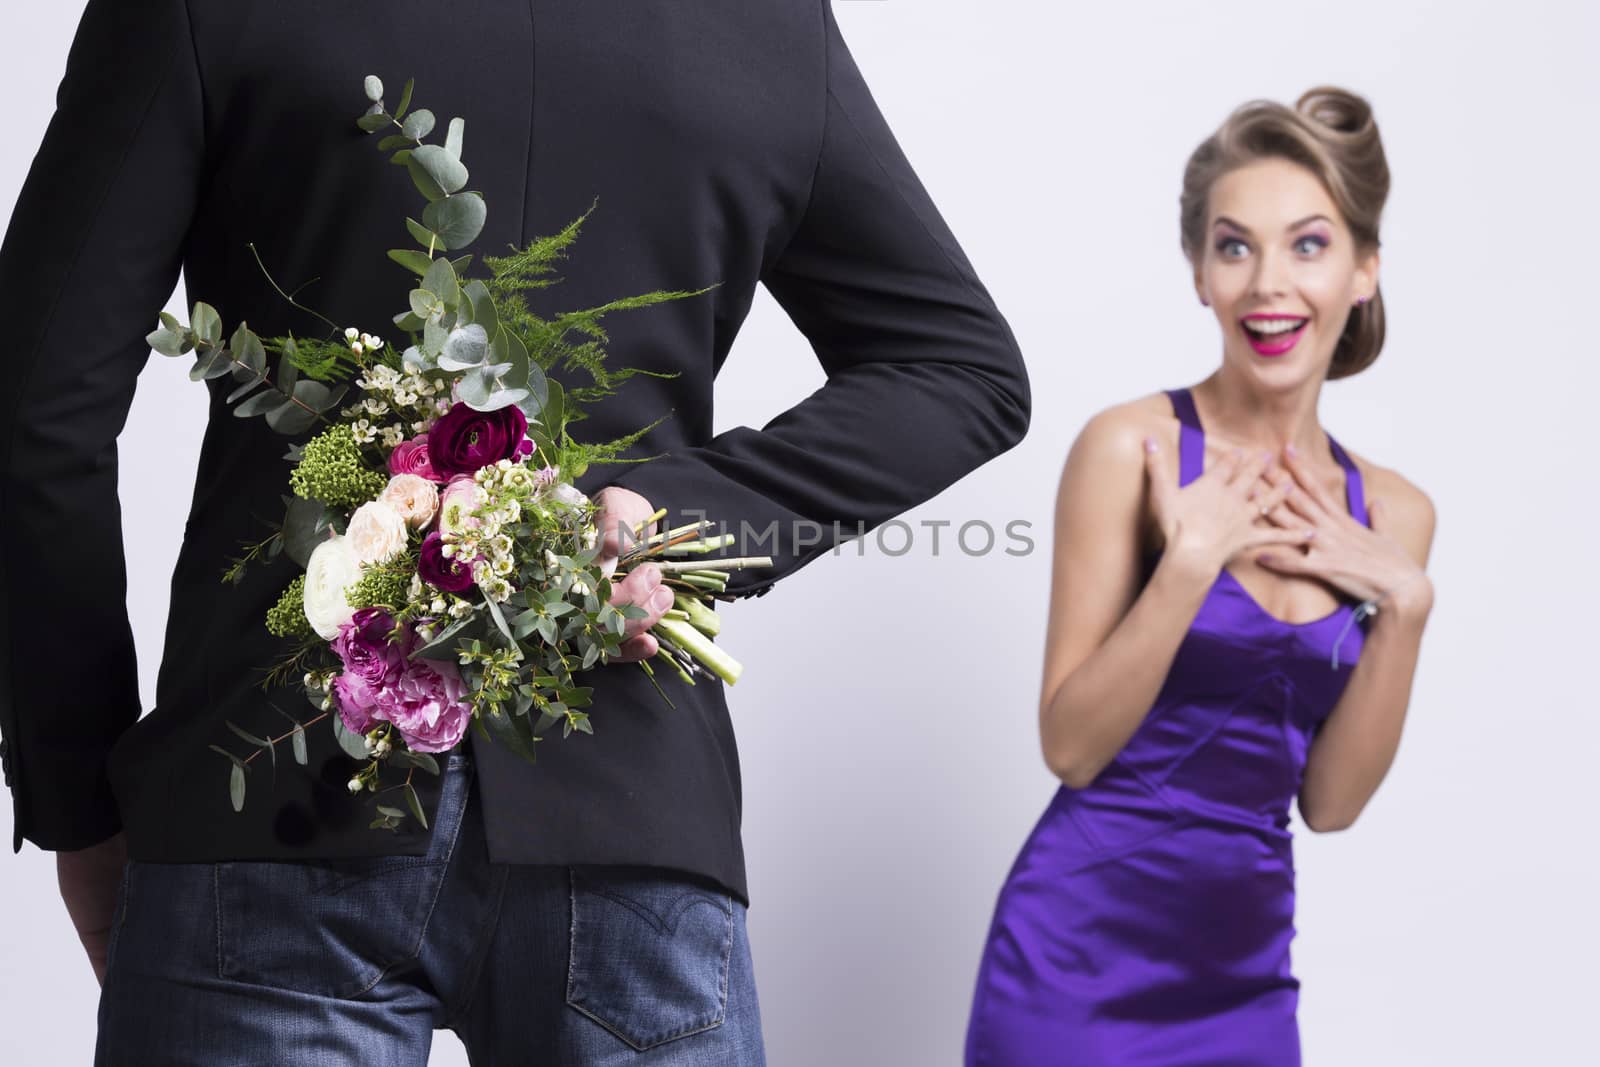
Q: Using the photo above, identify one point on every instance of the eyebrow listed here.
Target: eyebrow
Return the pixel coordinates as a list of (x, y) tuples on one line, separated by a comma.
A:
[(1223, 219)]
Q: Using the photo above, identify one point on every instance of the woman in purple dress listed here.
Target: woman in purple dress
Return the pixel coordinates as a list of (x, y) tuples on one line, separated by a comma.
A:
[(1227, 633)]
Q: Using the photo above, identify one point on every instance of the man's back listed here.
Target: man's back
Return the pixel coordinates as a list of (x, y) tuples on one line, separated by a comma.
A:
[(725, 143)]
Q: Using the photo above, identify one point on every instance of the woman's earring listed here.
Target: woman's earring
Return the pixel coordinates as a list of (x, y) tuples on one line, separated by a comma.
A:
[(1360, 300), (1204, 302)]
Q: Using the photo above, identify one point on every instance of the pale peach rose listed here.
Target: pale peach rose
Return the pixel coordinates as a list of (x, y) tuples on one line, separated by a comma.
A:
[(414, 497), (377, 532)]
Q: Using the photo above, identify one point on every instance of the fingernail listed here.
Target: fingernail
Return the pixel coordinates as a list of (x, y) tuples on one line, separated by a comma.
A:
[(662, 598), (1291, 450), (1149, 444), (1311, 533)]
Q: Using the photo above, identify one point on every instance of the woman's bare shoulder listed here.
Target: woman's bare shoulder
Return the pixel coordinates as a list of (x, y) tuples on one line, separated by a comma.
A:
[(1411, 511)]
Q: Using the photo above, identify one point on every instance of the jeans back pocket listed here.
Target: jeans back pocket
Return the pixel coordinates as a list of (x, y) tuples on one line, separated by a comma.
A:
[(649, 953), (328, 928)]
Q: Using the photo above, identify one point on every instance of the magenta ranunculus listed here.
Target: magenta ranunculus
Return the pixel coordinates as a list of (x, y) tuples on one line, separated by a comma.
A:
[(464, 439), (412, 457), (363, 646), (427, 705), (355, 701), (452, 575)]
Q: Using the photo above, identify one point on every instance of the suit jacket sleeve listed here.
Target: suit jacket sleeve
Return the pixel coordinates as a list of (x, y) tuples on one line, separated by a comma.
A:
[(90, 257), (925, 380)]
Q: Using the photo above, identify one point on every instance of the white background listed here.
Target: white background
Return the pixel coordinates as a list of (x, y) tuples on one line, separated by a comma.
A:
[(1455, 923)]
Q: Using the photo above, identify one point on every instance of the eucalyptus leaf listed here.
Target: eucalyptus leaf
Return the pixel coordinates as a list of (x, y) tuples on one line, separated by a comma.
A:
[(436, 172), (475, 386), (458, 220), (236, 786), (411, 259), (433, 338), (243, 389), (252, 738), (476, 294), (461, 263), (299, 739), (373, 121), (501, 398), (425, 238), (401, 158), (288, 373), (465, 348), (415, 804), (231, 757), (262, 402), (441, 279), (453, 138), (306, 523), (393, 813), (205, 323), (553, 416), (167, 341), (418, 124), (422, 303), (373, 87), (313, 393), (393, 141), (290, 417), (405, 98), (210, 363), (352, 743)]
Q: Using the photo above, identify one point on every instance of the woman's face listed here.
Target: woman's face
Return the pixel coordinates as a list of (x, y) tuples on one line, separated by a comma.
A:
[(1280, 269)]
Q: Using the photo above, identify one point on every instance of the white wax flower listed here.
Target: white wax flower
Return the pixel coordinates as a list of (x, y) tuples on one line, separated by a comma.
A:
[(332, 568), (377, 532)]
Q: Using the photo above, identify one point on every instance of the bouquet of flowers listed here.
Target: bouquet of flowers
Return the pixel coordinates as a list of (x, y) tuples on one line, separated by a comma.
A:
[(451, 574)]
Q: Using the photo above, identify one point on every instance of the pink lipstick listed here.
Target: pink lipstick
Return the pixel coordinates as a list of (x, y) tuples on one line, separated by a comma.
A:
[(1273, 335)]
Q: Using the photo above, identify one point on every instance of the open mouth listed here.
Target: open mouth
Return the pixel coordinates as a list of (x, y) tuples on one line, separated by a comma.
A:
[(1273, 335)]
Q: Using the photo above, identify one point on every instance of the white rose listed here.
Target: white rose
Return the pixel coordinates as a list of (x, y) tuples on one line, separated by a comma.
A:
[(414, 497), (332, 569), (377, 532)]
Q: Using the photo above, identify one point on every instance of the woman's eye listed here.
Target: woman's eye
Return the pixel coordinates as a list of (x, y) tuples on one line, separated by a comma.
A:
[(1311, 245), (1231, 247)]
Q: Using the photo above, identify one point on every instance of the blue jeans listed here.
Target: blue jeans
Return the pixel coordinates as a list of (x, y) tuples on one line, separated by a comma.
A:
[(358, 961)]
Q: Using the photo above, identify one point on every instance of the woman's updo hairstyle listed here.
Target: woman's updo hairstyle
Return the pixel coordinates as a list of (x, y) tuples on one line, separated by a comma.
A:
[(1330, 132)]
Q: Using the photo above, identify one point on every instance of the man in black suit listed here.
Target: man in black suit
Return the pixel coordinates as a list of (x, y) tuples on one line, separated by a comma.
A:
[(727, 142)]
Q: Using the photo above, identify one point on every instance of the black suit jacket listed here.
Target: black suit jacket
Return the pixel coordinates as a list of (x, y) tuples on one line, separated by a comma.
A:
[(729, 141)]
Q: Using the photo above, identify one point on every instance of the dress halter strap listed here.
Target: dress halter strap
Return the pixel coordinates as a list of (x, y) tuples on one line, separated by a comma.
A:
[(1192, 454), (1191, 438), (1354, 492)]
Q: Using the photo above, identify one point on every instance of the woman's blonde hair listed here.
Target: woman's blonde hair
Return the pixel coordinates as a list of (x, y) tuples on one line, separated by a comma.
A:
[(1330, 132)]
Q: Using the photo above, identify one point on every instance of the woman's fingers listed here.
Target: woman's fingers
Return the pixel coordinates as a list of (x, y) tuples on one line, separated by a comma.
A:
[(1308, 481), (1284, 561)]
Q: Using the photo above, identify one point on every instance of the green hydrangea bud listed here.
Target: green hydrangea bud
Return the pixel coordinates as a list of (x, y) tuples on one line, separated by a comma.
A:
[(287, 618), (332, 470), (379, 588)]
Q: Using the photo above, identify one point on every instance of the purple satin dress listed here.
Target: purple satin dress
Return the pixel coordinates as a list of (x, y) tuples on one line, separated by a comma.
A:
[(1147, 921)]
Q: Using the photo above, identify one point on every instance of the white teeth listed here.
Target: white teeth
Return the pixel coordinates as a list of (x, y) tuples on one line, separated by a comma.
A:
[(1272, 326)]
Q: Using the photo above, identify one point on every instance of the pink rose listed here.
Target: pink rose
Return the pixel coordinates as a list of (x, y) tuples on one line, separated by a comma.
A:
[(460, 498), (411, 457)]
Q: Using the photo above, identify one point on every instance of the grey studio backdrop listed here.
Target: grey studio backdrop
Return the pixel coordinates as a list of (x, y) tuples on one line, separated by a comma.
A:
[(1454, 924)]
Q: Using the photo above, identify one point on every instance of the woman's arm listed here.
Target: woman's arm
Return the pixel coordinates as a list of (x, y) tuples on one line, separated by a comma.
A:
[(1109, 644), (1356, 744)]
